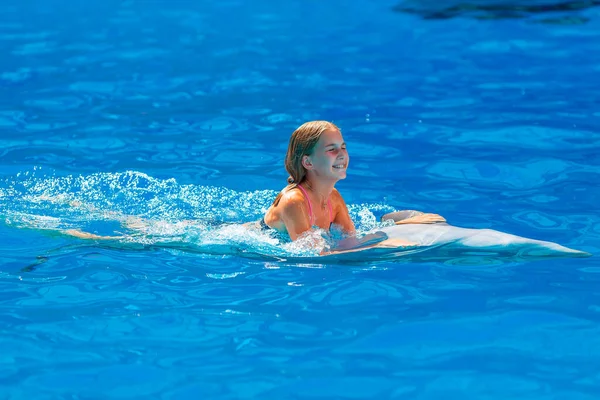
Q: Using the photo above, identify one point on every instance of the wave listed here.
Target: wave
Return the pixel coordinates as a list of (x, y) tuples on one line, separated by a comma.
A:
[(138, 210)]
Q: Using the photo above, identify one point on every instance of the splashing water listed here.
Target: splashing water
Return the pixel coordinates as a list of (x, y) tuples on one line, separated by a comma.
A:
[(142, 210)]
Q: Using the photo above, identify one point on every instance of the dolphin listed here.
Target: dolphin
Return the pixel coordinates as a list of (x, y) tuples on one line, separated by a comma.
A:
[(442, 241)]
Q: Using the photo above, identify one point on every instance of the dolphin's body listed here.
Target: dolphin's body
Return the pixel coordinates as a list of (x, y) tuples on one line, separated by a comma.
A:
[(439, 242)]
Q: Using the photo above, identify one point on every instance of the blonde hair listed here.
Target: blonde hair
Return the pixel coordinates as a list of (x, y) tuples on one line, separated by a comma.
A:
[(302, 143)]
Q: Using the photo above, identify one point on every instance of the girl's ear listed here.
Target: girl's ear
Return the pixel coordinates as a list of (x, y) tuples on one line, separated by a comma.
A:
[(306, 163)]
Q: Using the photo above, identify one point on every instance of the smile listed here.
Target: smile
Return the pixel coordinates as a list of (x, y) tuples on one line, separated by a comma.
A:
[(341, 166)]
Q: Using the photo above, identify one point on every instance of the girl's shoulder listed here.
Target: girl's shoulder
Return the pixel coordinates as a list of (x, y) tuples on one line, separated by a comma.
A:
[(336, 197), (292, 201), (292, 196)]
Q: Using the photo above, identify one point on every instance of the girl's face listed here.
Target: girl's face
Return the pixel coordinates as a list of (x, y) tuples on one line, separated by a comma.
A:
[(329, 159)]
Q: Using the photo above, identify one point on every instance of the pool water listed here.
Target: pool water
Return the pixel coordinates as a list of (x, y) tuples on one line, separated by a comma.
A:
[(174, 118)]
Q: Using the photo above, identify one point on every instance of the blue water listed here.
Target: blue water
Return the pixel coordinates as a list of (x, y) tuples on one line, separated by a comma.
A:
[(175, 111)]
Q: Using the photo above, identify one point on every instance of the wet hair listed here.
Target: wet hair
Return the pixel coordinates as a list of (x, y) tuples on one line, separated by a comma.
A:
[(302, 143)]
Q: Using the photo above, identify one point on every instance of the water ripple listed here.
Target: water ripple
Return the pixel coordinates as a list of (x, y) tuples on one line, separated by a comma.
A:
[(130, 109)]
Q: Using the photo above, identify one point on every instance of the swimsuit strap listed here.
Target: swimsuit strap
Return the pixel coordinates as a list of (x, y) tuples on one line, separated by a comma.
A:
[(310, 213)]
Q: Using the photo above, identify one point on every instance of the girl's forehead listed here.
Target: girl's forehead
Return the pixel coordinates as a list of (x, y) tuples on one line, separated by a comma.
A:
[(331, 136)]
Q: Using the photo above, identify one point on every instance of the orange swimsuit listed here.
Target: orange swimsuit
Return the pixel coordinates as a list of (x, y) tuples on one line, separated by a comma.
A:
[(311, 217)]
